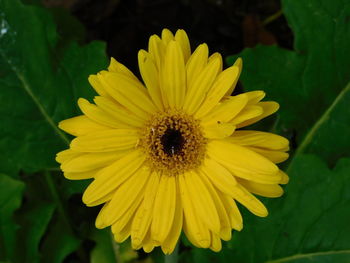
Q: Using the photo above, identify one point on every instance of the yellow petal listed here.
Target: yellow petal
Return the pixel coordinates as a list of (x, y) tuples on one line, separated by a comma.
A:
[(122, 235), (170, 242), (90, 161), (225, 225), (196, 63), (248, 113), (156, 49), (109, 178), (284, 177), (219, 176), (227, 110), (250, 201), (218, 130), (126, 195), (173, 77), (232, 211), (66, 155), (243, 162), (267, 190), (238, 64), (150, 77), (80, 175), (216, 56), (268, 107), (194, 228), (117, 67), (129, 94), (164, 208), (182, 38), (167, 36), (97, 85), (260, 139), (106, 141), (273, 156), (223, 82), (198, 89), (255, 96), (215, 242), (125, 118), (143, 216), (202, 201), (148, 244), (96, 114), (80, 125)]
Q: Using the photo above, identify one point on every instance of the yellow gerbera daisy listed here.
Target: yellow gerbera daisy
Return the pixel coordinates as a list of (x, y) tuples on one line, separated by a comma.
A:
[(166, 155)]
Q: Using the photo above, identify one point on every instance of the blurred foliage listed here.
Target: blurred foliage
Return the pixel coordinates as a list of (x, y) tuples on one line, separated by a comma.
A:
[(44, 67)]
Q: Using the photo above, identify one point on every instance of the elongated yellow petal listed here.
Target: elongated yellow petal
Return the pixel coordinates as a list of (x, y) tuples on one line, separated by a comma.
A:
[(267, 190), (66, 155), (156, 49), (98, 86), (182, 38), (232, 211), (80, 125), (173, 76), (225, 225), (169, 243), (143, 216), (96, 114), (90, 161), (164, 208), (129, 94), (248, 113), (216, 56), (106, 141), (150, 76), (223, 82), (196, 63), (260, 139), (202, 201), (250, 201), (219, 176), (122, 235), (255, 96), (268, 107), (126, 195), (227, 110), (80, 175), (238, 64), (284, 177), (194, 228), (167, 36), (241, 160), (109, 178), (218, 130), (273, 156), (198, 89), (125, 118), (117, 67), (215, 242)]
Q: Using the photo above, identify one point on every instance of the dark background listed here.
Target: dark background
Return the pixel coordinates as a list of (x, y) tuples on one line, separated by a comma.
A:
[(227, 26)]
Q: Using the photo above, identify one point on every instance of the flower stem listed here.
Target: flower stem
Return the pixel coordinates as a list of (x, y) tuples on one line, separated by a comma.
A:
[(173, 257)]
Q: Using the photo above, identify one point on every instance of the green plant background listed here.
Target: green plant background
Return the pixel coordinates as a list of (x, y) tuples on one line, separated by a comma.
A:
[(44, 69)]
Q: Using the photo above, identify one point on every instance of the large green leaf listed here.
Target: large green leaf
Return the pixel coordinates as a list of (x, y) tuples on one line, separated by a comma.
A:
[(307, 80), (40, 81), (10, 200)]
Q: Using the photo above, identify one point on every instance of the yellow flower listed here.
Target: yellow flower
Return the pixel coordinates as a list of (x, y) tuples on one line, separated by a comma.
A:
[(167, 154)]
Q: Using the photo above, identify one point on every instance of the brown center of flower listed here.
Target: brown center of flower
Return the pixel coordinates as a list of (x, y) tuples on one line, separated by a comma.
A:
[(173, 142)]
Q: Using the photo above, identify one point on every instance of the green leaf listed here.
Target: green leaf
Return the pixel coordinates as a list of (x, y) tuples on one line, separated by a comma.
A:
[(10, 200), (305, 81), (103, 251), (40, 81)]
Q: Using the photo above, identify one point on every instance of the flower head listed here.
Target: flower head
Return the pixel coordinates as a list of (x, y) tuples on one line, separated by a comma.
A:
[(167, 154)]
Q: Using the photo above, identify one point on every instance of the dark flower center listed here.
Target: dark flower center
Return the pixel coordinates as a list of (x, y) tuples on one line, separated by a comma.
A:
[(172, 141)]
